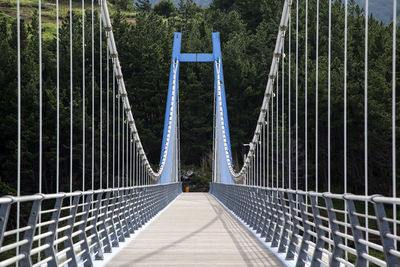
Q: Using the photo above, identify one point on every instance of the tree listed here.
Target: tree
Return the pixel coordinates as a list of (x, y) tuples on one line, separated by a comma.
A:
[(165, 8), (123, 4), (143, 5)]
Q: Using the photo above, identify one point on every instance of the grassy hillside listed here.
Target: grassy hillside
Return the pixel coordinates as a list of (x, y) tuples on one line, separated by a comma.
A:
[(8, 8), (203, 3)]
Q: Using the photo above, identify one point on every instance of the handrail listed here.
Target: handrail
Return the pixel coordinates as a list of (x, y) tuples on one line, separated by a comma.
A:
[(84, 224), (310, 227)]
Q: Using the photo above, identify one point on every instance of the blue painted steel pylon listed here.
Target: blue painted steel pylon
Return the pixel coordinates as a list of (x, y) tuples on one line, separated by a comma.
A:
[(177, 58)]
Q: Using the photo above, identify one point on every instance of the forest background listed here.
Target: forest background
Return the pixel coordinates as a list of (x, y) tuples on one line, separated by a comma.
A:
[(144, 36)]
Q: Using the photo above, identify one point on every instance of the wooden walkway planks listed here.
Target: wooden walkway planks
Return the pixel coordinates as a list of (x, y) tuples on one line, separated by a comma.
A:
[(195, 231)]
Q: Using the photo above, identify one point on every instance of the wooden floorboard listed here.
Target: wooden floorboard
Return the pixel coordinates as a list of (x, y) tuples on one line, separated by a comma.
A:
[(195, 231)]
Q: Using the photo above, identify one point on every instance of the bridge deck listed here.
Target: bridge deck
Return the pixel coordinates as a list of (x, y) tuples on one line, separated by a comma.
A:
[(195, 231)]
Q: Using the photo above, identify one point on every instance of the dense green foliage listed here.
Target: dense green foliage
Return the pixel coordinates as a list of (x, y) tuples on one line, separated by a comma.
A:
[(248, 32)]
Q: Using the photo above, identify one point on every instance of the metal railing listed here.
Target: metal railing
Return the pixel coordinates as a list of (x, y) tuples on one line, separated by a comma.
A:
[(317, 228), (77, 228)]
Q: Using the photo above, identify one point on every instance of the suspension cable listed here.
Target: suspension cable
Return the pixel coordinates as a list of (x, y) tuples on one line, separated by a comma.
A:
[(71, 104), (19, 123), (40, 116), (306, 99), (101, 95), (366, 119), (92, 22), (394, 179), (297, 94), (123, 147), (108, 115), (118, 138), (113, 121), (316, 95), (83, 97), (329, 93), (345, 115), (283, 116), (277, 129), (289, 104), (268, 151), (58, 100), (272, 141)]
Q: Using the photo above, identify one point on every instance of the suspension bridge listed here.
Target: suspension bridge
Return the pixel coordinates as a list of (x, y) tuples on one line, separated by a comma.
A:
[(256, 215)]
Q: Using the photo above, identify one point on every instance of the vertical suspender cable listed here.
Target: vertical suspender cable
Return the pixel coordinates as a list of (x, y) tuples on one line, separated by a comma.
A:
[(108, 115), (118, 136), (263, 157), (113, 129), (40, 115), (101, 95), (92, 11), (132, 157), (316, 95), (260, 159), (19, 122), (394, 181), (289, 105), (268, 144), (277, 129), (366, 118), (58, 101), (272, 141), (123, 145), (305, 100), (58, 104), (71, 104), (329, 95), (83, 96), (133, 160), (127, 155), (345, 116), (256, 163), (283, 115), (297, 98)]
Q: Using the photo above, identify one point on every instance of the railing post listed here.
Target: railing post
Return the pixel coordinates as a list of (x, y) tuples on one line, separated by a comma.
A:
[(319, 244), (357, 234), (286, 225), (123, 211), (384, 229), (110, 216), (302, 257), (28, 235), (117, 213), (293, 239), (68, 243), (86, 258), (50, 252), (268, 213), (131, 210), (279, 221), (337, 240), (4, 213), (273, 217), (104, 233), (262, 210), (97, 247)]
